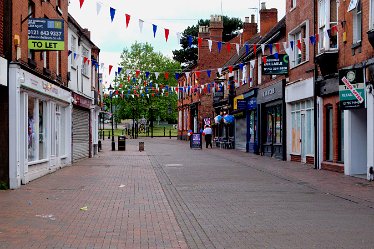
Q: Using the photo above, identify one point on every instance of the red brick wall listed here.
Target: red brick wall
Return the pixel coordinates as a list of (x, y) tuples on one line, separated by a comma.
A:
[(347, 56), (302, 12), (20, 9)]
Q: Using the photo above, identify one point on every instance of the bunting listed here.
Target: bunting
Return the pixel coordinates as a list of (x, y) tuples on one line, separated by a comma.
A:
[(166, 34), (112, 13), (127, 20)]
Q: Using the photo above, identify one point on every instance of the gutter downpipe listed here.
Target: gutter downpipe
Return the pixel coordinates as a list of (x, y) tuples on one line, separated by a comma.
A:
[(315, 75)]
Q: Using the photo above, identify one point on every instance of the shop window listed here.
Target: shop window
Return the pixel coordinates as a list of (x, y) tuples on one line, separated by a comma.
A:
[(85, 53), (327, 18), (329, 133), (252, 126), (278, 125), (32, 130), (73, 49), (62, 131), (298, 35), (42, 130), (269, 128)]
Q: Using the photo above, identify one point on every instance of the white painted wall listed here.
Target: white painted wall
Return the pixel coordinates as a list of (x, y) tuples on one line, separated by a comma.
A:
[(355, 142)]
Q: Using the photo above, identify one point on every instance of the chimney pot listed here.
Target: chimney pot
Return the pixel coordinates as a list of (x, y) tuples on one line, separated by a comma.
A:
[(263, 5), (252, 18), (246, 19)]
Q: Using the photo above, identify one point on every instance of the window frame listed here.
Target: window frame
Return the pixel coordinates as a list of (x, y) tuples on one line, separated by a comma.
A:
[(357, 16), (305, 45)]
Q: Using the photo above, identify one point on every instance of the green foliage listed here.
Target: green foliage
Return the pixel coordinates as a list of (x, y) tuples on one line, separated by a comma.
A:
[(141, 56), (188, 55)]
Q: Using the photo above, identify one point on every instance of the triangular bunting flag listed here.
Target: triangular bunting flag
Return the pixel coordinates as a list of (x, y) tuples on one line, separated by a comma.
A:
[(127, 20), (75, 56), (85, 60), (291, 44), (252, 62), (176, 76), (69, 52), (219, 45), (199, 41), (270, 46), (210, 45), (187, 75), (98, 8), (312, 39), (146, 75), (299, 44), (263, 48), (166, 34), (179, 35), (329, 33), (137, 72), (276, 56), (264, 59), (228, 47), (246, 49), (154, 30), (141, 22), (128, 71), (119, 70), (219, 70), (230, 69), (197, 73), (166, 75), (112, 13), (189, 40), (237, 48), (110, 68), (277, 46), (81, 3), (241, 66), (208, 72), (284, 45), (156, 75)]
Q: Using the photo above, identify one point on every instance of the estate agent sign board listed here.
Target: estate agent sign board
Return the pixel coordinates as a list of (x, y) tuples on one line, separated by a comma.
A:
[(351, 88), (46, 34), (276, 66)]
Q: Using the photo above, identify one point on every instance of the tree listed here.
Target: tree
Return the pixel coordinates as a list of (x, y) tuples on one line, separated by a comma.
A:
[(135, 95), (187, 55)]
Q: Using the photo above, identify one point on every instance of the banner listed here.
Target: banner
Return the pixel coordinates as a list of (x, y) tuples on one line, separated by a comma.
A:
[(351, 88), (46, 34)]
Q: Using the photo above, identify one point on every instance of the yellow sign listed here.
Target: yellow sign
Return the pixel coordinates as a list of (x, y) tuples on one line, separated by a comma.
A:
[(236, 101)]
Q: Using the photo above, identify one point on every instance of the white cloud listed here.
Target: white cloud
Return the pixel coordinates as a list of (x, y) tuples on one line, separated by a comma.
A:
[(112, 37)]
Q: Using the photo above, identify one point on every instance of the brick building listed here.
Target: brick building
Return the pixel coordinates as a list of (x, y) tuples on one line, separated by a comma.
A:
[(40, 102), (5, 47)]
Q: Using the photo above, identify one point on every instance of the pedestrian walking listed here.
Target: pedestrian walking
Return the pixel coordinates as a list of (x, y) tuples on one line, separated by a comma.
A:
[(208, 136)]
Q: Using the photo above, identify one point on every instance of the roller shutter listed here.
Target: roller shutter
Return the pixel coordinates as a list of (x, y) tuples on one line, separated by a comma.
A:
[(81, 134), (240, 133)]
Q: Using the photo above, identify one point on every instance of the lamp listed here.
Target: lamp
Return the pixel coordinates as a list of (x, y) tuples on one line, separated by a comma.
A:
[(111, 111)]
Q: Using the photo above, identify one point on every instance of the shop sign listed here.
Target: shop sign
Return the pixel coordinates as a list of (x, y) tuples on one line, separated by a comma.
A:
[(207, 121), (270, 93), (236, 99), (252, 104), (276, 66), (351, 88), (46, 34), (81, 101), (242, 104), (195, 141)]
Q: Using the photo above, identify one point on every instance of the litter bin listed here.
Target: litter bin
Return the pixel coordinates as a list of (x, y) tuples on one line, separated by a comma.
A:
[(141, 146), (121, 143)]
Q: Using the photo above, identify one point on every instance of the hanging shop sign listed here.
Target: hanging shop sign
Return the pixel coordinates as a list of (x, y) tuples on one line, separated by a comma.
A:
[(81, 101), (46, 34), (252, 104), (276, 65), (351, 88), (195, 141)]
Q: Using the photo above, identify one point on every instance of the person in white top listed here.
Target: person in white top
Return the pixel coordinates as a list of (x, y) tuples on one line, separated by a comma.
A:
[(208, 136)]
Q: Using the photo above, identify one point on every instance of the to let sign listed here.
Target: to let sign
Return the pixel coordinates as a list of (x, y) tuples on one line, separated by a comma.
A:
[(46, 34), (276, 66), (351, 88)]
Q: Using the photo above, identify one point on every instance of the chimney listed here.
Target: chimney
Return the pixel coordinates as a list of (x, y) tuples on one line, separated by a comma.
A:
[(87, 33), (268, 19), (249, 28), (216, 27)]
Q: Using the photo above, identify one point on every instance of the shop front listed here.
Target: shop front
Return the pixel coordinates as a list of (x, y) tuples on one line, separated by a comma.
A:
[(300, 119), (271, 108), (81, 136), (40, 116), (330, 126), (240, 106)]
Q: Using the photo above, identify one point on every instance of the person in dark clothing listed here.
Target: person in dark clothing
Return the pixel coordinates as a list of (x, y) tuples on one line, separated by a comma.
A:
[(208, 136)]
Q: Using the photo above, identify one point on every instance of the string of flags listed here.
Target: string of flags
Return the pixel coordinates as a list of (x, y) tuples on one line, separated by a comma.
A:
[(314, 39)]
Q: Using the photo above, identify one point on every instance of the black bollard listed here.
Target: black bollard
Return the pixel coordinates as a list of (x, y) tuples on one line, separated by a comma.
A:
[(164, 131)]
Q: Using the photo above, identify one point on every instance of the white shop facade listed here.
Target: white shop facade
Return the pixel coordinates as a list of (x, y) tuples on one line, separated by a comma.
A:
[(40, 126)]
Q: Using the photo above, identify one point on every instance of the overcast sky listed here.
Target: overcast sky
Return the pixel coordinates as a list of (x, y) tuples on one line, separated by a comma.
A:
[(112, 37)]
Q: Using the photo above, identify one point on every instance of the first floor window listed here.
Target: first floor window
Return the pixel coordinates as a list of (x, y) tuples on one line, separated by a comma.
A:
[(357, 23)]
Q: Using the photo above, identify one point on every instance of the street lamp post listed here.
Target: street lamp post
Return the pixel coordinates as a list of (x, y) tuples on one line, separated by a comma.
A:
[(111, 111)]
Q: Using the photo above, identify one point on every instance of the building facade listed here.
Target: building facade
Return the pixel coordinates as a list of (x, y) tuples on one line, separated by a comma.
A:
[(39, 100)]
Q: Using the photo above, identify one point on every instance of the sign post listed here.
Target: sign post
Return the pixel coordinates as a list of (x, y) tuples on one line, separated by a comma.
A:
[(351, 88), (46, 34), (196, 141)]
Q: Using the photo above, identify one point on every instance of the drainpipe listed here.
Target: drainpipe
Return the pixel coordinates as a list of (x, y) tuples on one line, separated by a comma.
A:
[(315, 75)]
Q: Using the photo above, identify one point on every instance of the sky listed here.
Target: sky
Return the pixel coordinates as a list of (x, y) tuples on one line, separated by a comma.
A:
[(113, 37)]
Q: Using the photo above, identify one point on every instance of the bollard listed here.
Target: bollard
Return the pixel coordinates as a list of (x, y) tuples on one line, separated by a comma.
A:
[(141, 146), (108, 134), (170, 134), (99, 145), (103, 135), (164, 131)]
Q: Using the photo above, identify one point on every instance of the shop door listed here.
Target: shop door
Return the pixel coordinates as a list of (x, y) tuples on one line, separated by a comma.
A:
[(240, 134), (55, 130), (303, 139)]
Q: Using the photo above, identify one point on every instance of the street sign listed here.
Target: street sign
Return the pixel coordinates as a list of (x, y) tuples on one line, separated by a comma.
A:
[(351, 88), (46, 34), (276, 66)]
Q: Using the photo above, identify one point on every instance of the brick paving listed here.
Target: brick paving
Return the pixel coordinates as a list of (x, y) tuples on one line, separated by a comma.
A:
[(170, 196)]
